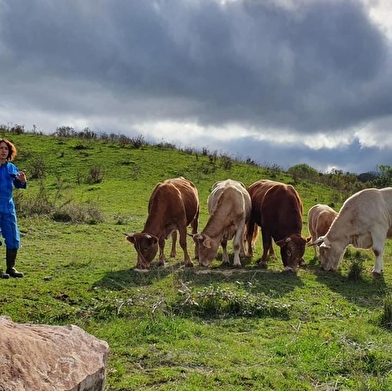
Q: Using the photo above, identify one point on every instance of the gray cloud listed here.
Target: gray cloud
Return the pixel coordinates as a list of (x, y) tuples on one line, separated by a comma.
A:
[(317, 67)]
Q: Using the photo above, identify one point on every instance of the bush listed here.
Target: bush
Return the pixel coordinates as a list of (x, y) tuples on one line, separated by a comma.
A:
[(37, 167), (95, 175), (77, 213)]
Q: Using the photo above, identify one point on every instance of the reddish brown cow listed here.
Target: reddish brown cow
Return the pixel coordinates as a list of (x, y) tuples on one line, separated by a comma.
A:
[(277, 209), (173, 205)]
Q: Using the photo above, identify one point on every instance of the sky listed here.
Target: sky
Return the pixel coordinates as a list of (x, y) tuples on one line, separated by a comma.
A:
[(281, 82)]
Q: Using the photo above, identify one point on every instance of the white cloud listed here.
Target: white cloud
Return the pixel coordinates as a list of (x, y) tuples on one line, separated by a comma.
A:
[(287, 81)]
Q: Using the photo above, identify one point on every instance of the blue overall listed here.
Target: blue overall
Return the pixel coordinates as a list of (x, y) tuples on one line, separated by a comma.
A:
[(8, 221)]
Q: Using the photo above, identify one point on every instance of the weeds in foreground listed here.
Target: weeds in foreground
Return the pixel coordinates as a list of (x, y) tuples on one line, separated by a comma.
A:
[(386, 318), (215, 301), (357, 267)]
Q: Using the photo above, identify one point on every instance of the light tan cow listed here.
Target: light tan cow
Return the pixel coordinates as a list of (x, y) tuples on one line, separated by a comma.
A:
[(364, 221), (320, 218), (173, 205), (229, 207)]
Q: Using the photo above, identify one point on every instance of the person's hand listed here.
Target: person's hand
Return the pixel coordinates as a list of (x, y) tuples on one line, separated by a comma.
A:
[(21, 176)]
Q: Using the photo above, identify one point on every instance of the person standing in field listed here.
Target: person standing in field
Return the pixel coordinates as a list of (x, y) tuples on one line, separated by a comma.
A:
[(10, 177)]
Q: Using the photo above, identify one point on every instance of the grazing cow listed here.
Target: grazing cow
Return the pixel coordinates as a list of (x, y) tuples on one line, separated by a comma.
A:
[(364, 221), (320, 218), (277, 209), (173, 205), (229, 207)]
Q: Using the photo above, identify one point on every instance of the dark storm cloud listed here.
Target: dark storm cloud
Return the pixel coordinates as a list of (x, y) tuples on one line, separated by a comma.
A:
[(320, 66)]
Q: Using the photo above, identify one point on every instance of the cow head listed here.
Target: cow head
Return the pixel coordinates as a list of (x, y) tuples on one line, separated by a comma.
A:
[(206, 248), (331, 253), (146, 246), (292, 249)]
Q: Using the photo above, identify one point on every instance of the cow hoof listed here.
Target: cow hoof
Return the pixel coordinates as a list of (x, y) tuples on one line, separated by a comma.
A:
[(263, 265), (142, 266), (376, 274), (139, 270), (189, 264)]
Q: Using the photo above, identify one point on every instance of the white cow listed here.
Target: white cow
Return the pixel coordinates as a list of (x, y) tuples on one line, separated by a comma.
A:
[(364, 221), (229, 206), (320, 218)]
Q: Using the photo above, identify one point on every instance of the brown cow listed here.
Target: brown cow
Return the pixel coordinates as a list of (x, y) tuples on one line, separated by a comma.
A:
[(173, 205), (229, 207), (320, 218), (277, 209)]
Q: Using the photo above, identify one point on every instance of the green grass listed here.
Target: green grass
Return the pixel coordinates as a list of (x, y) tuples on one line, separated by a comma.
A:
[(191, 329)]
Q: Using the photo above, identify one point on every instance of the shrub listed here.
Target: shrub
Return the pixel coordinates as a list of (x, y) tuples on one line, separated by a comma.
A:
[(37, 167), (77, 213), (138, 141), (37, 205), (226, 162), (95, 175)]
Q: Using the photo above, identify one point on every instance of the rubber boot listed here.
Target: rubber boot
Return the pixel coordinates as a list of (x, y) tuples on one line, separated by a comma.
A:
[(10, 257)]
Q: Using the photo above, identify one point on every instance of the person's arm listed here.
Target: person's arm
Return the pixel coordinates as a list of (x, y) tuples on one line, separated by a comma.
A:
[(20, 181)]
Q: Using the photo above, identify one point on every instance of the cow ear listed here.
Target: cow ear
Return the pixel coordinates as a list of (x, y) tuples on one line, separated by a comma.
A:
[(308, 239), (130, 238), (197, 236), (207, 242), (151, 240), (282, 242)]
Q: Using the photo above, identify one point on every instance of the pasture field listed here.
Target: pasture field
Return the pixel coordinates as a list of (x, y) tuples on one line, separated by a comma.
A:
[(183, 329)]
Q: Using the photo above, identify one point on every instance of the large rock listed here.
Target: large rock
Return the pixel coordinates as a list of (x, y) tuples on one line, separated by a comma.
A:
[(56, 358)]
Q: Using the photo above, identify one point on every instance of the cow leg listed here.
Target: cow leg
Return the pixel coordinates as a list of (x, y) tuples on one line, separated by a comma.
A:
[(267, 244), (250, 228), (173, 248), (183, 244), (376, 239), (271, 252), (161, 261), (225, 255), (238, 248), (194, 226), (378, 251), (315, 248), (239, 238)]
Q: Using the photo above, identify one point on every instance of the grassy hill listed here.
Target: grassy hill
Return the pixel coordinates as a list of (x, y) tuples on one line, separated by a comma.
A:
[(186, 329)]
